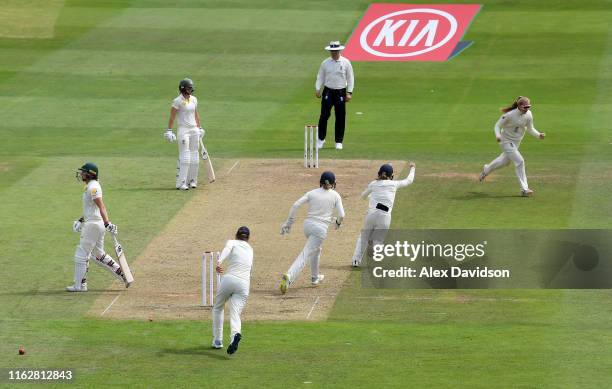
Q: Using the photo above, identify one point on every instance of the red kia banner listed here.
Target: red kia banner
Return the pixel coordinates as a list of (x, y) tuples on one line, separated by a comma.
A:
[(411, 32)]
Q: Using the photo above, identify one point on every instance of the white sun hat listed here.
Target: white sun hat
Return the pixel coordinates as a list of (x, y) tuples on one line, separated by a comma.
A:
[(334, 46)]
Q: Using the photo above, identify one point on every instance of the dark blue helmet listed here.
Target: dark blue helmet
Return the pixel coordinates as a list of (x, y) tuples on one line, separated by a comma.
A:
[(328, 178), (243, 233), (386, 170)]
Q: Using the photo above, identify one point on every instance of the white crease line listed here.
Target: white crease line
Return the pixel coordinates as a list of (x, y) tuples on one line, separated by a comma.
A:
[(313, 307), (110, 305), (233, 166)]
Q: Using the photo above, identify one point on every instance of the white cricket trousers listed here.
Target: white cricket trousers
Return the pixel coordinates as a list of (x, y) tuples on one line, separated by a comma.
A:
[(374, 229), (92, 244), (188, 144), (510, 153), (315, 232), (236, 290)]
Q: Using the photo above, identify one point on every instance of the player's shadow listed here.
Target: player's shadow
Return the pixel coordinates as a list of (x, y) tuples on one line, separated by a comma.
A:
[(483, 195), (206, 351)]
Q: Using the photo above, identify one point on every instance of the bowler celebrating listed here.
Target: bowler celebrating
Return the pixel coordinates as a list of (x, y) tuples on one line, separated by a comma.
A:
[(323, 202), (235, 264), (509, 132), (378, 219)]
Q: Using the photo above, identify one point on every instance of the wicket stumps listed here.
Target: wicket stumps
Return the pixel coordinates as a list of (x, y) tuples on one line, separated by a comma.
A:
[(209, 261), (311, 151)]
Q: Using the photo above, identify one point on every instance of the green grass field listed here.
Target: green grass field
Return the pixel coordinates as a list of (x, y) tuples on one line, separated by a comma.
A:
[(100, 88)]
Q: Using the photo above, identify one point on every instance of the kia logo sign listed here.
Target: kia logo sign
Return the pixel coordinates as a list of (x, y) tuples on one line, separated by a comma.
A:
[(405, 32), (412, 36)]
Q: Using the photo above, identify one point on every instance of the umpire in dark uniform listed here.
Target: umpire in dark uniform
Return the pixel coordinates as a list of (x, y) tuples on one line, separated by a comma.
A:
[(337, 80)]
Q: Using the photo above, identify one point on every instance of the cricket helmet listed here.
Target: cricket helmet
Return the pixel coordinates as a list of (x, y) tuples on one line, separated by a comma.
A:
[(243, 232), (328, 178), (186, 85), (90, 168), (387, 170)]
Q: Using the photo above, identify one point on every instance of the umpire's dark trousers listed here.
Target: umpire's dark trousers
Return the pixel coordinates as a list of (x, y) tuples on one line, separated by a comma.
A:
[(333, 98)]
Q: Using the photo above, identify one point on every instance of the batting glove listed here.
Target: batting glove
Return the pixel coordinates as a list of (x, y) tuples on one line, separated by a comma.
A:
[(110, 227), (201, 132), (169, 135), (285, 228), (77, 226)]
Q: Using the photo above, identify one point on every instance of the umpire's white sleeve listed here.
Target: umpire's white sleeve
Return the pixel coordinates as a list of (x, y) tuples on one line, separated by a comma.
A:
[(408, 180), (320, 78), (350, 78)]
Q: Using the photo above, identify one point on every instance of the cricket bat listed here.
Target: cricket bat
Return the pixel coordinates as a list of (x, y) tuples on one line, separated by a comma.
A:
[(207, 162), (125, 268)]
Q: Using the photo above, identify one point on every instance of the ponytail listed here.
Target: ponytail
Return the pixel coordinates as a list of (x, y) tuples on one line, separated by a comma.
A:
[(514, 104)]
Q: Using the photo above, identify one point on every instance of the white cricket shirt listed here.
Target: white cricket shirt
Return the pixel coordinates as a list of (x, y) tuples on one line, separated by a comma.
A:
[(237, 258), (321, 205), (383, 191), (512, 125), (336, 74), (185, 117), (91, 212)]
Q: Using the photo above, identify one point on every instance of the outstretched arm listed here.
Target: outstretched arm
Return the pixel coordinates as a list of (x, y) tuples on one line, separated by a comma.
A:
[(302, 200), (408, 180), (366, 192), (286, 227)]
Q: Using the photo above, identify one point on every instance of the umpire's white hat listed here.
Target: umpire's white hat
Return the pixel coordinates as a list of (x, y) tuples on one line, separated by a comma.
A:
[(334, 46)]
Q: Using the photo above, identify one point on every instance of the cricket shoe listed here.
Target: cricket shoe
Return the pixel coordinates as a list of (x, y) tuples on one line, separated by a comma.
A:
[(217, 344), (183, 187), (72, 288), (338, 146), (526, 192), (234, 345), (320, 143), (317, 280), (284, 285), (356, 263), (483, 175), (193, 185)]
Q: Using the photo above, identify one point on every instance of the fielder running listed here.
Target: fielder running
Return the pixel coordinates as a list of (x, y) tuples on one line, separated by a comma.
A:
[(323, 202), (378, 218), (509, 131), (235, 264), (185, 110), (91, 226)]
